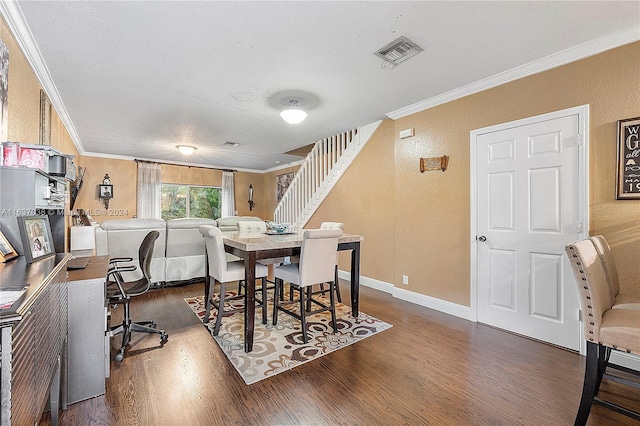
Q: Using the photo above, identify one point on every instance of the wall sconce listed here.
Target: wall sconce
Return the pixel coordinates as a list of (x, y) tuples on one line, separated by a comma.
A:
[(251, 203), (105, 191)]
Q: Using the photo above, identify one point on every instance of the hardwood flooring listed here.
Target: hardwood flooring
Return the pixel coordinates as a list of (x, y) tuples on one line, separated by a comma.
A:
[(429, 369)]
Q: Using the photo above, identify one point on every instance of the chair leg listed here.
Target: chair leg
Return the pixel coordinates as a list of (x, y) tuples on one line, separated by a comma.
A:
[(208, 293), (303, 313), (276, 299), (336, 282), (332, 300), (223, 290), (264, 300), (590, 384)]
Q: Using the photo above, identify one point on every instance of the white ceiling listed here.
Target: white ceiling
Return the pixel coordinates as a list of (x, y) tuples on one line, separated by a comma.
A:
[(133, 79)]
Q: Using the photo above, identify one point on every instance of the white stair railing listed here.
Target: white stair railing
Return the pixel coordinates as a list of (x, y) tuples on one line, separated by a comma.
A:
[(319, 173)]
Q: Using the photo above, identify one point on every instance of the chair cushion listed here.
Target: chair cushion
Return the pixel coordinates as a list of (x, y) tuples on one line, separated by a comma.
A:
[(235, 271), (627, 301), (289, 273), (620, 328)]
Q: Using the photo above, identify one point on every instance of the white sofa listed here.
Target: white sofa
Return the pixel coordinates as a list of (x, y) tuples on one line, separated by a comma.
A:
[(230, 223), (178, 254)]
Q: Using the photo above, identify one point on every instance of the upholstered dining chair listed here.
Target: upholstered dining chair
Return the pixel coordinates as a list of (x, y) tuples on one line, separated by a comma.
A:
[(605, 329), (224, 272), (317, 265), (121, 292), (620, 300)]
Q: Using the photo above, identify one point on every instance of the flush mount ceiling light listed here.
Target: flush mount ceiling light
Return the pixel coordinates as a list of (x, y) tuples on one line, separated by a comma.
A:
[(293, 114), (186, 149)]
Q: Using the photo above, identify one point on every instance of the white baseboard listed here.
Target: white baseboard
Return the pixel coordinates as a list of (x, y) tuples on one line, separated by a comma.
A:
[(410, 296)]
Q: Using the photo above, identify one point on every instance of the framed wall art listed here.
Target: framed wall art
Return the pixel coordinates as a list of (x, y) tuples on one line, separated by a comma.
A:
[(37, 240), (282, 183), (7, 252), (628, 182), (4, 91), (45, 119)]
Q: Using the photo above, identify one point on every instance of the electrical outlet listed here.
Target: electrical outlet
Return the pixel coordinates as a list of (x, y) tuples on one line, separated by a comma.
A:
[(405, 279)]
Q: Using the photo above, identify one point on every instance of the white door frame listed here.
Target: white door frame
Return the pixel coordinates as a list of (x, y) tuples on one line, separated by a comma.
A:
[(583, 187)]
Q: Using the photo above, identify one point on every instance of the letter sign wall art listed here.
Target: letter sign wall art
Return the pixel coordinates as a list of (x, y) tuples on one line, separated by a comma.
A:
[(628, 183)]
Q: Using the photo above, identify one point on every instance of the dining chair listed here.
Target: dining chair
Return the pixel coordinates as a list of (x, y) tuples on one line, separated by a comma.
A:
[(620, 300), (120, 291), (317, 265), (605, 329), (224, 272)]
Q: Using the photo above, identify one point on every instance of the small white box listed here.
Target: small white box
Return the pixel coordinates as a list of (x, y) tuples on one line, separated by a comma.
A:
[(407, 133)]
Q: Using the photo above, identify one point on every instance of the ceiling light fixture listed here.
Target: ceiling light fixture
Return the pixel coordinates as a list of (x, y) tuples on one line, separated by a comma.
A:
[(293, 114), (186, 149)]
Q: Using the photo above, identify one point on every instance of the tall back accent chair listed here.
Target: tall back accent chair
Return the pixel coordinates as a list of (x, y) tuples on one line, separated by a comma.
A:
[(317, 265), (605, 328), (224, 272), (620, 300), (121, 292)]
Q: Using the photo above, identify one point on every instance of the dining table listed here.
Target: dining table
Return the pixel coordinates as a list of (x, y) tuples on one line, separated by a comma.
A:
[(253, 247)]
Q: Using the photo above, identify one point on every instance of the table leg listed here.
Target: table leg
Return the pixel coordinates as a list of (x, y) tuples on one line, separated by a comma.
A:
[(249, 299), (355, 279)]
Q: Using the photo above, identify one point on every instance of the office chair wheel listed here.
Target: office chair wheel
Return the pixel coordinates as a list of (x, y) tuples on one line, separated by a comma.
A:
[(120, 355), (163, 338)]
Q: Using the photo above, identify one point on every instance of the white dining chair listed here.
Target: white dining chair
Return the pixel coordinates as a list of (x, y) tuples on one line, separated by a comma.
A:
[(317, 265), (224, 272)]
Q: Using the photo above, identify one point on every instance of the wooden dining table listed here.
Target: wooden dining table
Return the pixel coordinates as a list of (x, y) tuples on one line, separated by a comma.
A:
[(267, 246)]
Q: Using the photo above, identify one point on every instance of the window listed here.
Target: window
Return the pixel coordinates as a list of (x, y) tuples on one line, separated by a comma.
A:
[(190, 201)]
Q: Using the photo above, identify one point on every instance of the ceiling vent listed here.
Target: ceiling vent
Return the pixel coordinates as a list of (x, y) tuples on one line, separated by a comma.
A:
[(232, 144), (398, 50)]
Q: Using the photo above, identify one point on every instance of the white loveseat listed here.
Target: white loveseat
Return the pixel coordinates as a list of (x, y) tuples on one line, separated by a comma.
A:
[(178, 254)]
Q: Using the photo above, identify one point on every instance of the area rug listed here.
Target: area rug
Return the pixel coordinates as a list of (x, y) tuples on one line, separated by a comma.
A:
[(280, 348)]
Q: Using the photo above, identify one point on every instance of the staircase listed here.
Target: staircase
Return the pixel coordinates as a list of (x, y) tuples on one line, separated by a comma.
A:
[(319, 173)]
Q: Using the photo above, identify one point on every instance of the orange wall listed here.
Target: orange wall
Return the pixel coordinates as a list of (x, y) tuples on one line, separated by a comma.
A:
[(418, 224)]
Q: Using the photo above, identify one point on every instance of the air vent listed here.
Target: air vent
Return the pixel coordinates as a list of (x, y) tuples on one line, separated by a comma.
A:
[(398, 50), (229, 143)]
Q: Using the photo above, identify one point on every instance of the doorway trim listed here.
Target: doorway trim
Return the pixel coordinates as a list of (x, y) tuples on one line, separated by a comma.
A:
[(583, 187)]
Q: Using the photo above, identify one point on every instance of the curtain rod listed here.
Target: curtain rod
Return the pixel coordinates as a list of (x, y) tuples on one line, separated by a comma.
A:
[(184, 165)]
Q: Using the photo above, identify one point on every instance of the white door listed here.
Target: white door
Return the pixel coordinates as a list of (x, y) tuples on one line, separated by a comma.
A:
[(528, 207)]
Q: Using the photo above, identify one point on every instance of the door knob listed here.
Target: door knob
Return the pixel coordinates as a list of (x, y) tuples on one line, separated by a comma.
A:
[(482, 238)]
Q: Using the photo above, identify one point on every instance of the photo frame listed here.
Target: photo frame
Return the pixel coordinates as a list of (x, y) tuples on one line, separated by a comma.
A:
[(628, 181), (7, 252), (45, 119), (37, 239), (106, 191), (282, 183)]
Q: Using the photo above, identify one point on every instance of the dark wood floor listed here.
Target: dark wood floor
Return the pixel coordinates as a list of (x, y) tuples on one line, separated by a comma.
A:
[(429, 369)]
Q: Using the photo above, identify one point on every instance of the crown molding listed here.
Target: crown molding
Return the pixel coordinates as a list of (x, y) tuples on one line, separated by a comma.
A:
[(13, 16), (564, 57)]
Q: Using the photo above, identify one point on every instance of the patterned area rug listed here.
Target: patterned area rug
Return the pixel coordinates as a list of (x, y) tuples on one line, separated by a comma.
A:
[(280, 348)]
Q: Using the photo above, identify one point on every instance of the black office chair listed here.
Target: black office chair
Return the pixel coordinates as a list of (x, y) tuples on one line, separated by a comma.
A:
[(120, 292)]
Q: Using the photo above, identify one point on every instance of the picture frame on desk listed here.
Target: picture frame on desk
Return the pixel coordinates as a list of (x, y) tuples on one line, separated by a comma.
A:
[(7, 252), (37, 239)]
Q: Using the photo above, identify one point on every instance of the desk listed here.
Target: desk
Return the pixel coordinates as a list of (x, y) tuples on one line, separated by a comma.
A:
[(270, 246), (88, 353)]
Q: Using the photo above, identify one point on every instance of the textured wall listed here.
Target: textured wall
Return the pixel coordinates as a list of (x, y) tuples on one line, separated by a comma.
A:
[(418, 224)]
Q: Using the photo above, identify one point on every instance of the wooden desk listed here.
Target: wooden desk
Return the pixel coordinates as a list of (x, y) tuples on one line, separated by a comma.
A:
[(270, 246)]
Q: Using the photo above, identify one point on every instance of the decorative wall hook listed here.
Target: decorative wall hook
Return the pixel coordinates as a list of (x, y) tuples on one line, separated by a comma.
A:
[(434, 163)]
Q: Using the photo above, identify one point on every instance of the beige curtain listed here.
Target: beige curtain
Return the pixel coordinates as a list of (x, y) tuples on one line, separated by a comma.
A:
[(149, 182), (228, 195)]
